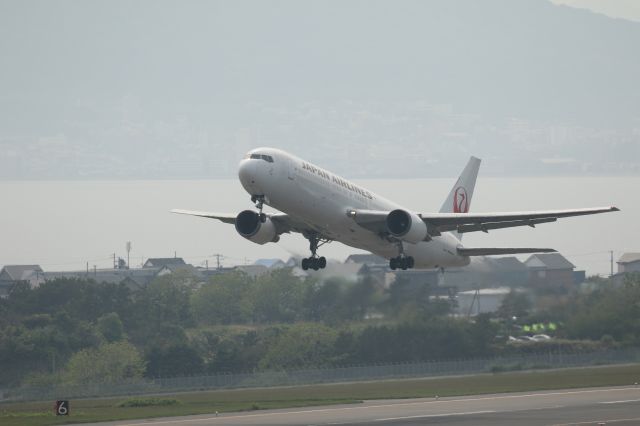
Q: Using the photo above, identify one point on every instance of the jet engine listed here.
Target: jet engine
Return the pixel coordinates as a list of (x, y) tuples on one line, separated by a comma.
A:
[(259, 230), (406, 226)]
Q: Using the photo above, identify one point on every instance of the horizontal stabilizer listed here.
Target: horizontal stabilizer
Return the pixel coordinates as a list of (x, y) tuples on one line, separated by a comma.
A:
[(463, 251)]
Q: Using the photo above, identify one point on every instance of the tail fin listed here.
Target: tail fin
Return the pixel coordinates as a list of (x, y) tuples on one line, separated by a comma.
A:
[(459, 199)]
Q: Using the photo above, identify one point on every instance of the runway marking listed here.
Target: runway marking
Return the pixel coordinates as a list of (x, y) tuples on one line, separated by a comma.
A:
[(370, 406), (597, 422), (468, 413), (619, 402)]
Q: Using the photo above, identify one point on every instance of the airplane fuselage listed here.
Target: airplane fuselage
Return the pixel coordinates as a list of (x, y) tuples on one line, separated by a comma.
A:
[(322, 200)]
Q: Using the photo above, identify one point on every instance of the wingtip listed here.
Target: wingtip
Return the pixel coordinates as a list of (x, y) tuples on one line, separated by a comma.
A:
[(614, 209)]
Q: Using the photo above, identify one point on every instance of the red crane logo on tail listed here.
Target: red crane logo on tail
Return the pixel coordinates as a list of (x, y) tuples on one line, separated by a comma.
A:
[(460, 200)]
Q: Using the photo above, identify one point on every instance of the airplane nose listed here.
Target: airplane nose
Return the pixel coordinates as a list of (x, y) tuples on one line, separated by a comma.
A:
[(247, 174)]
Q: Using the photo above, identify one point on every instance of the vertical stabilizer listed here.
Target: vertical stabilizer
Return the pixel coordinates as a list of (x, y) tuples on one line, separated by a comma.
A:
[(459, 199)]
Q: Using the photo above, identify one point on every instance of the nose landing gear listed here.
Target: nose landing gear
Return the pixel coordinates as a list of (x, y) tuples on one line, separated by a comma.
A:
[(259, 200), (314, 262)]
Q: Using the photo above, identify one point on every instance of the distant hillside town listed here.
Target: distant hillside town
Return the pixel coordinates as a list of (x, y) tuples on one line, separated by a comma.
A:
[(478, 288)]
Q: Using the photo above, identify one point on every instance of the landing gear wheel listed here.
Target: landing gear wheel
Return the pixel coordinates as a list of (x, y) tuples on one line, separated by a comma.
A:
[(401, 262), (410, 262), (314, 262)]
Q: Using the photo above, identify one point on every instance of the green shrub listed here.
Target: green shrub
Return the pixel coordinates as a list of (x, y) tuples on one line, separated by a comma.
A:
[(146, 402)]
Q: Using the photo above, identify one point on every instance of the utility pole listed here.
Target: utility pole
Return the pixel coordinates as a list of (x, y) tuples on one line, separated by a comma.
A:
[(218, 257), (206, 262), (128, 253), (611, 252), (115, 265)]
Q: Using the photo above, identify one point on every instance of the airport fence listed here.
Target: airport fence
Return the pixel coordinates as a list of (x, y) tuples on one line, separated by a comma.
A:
[(261, 379)]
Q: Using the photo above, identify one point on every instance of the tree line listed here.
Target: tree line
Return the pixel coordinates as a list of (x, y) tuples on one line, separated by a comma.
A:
[(78, 331)]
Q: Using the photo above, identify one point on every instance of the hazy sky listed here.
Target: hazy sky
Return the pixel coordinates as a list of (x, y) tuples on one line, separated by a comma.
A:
[(122, 91)]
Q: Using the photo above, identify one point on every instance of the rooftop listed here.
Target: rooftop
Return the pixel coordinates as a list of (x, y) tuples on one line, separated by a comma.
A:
[(19, 272), (629, 258), (548, 261), (164, 261), (369, 259)]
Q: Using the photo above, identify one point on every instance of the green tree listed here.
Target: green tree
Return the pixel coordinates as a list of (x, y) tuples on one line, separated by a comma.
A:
[(110, 363), (301, 345), (110, 327), (278, 297), (179, 360), (608, 312), (161, 306), (324, 300), (360, 297), (411, 301), (515, 304), (224, 300)]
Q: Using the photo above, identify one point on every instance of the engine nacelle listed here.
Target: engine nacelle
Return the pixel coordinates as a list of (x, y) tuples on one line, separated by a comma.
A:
[(406, 226), (249, 225)]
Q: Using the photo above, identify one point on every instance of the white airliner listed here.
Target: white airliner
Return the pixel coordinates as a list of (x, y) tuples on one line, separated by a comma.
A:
[(324, 207)]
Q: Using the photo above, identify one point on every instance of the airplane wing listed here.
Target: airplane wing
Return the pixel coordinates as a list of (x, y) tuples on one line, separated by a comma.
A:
[(283, 222), (223, 217), (473, 251), (375, 220), (471, 222)]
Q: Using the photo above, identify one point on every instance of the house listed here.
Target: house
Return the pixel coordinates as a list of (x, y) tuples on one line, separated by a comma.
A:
[(159, 262), (509, 271), (485, 272), (270, 263), (252, 271), (629, 262), (10, 275), (171, 268), (336, 269), (366, 259), (550, 270), (134, 279), (486, 300)]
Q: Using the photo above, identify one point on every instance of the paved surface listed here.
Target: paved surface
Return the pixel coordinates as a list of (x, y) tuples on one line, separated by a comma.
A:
[(612, 406)]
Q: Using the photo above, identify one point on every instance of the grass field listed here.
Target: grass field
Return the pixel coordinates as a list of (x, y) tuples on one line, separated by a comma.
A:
[(94, 410)]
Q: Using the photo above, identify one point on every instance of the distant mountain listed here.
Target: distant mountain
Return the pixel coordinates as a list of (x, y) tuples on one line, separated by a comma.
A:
[(140, 78)]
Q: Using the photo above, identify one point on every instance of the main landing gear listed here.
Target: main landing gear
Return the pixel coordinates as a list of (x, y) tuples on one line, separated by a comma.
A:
[(314, 262), (402, 261)]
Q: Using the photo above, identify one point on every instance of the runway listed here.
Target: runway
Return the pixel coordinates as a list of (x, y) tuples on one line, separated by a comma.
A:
[(594, 406)]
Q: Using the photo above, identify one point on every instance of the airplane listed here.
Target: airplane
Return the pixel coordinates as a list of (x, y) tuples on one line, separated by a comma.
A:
[(325, 207)]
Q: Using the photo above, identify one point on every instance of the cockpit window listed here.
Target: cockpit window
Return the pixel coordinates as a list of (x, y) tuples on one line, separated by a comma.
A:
[(266, 158)]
